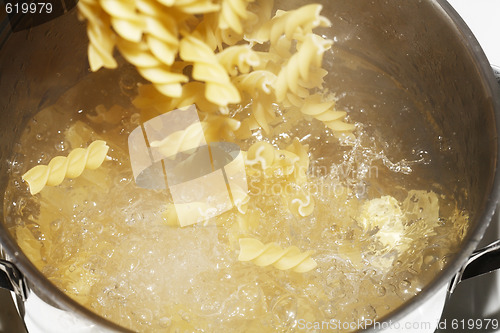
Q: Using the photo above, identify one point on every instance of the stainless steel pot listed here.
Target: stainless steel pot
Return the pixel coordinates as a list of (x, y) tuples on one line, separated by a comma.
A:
[(423, 47)]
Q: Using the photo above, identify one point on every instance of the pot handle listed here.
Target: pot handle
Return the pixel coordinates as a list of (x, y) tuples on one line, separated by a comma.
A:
[(12, 279), (482, 261), (496, 72)]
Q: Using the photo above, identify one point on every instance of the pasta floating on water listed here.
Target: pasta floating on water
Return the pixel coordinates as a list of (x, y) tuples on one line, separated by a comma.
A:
[(260, 254), (300, 203), (302, 164), (61, 167), (113, 115), (272, 161)]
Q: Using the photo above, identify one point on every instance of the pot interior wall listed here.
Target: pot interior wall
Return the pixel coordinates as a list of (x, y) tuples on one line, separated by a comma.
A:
[(399, 67), (38, 65)]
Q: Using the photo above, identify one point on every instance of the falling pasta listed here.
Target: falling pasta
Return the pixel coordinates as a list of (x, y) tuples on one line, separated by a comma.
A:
[(213, 54)]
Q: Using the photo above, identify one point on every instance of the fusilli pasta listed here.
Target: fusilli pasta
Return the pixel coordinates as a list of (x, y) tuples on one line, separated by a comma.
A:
[(300, 203), (302, 163), (325, 112), (233, 12), (61, 167), (163, 38), (272, 161), (258, 85), (219, 89), (179, 141), (238, 58), (152, 69), (262, 255), (113, 115), (293, 24), (101, 42), (298, 67)]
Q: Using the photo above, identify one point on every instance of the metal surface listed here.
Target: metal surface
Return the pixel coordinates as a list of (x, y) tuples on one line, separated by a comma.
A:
[(12, 279), (10, 321), (496, 70), (484, 260), (423, 46)]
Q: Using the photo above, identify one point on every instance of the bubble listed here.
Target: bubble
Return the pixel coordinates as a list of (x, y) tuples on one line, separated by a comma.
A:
[(185, 316), (55, 225), (367, 312), (404, 285), (165, 322), (144, 316), (285, 310)]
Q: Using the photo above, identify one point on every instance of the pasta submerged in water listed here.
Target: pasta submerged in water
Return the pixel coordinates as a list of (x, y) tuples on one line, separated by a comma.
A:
[(296, 245)]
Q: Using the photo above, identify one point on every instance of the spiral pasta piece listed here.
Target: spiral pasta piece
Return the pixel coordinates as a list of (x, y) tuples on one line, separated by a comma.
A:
[(272, 161), (144, 32), (302, 163), (152, 69), (325, 112), (293, 24), (124, 18), (192, 6), (301, 204), (179, 141), (219, 127), (152, 103), (259, 12), (208, 30), (61, 167), (233, 12), (219, 89), (101, 42), (212, 128), (160, 31), (113, 115), (260, 80), (260, 254), (238, 58), (298, 67), (258, 84)]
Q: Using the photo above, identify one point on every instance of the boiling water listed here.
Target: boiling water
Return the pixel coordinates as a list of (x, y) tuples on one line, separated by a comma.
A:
[(105, 241)]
